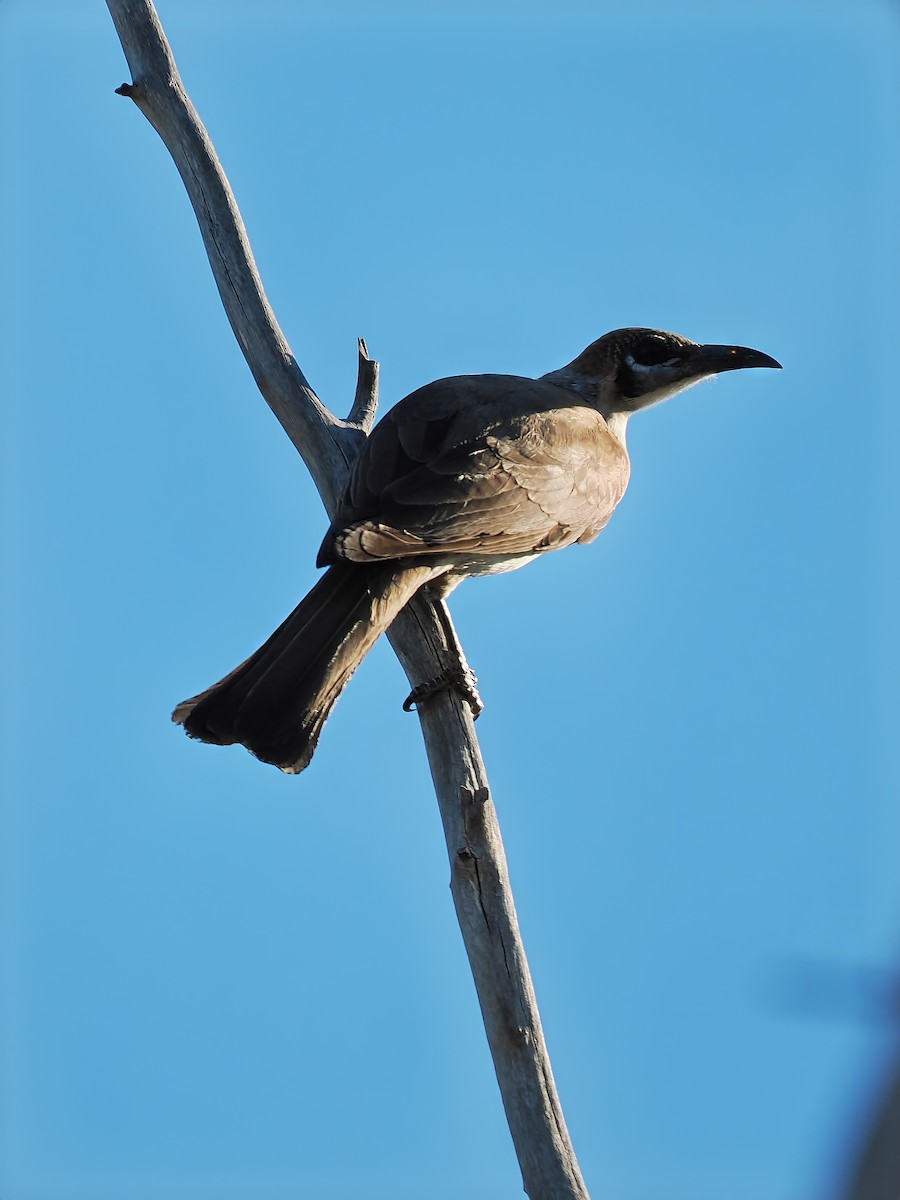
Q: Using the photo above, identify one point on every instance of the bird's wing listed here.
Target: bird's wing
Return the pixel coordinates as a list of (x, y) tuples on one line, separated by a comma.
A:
[(482, 465)]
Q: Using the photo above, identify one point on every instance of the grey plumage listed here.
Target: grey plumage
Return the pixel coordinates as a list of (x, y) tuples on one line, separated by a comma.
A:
[(468, 475)]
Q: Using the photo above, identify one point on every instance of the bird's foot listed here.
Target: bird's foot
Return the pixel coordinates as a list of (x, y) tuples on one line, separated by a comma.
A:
[(458, 679)]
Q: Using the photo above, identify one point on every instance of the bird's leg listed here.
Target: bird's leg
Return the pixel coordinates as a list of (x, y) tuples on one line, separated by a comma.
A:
[(456, 675)]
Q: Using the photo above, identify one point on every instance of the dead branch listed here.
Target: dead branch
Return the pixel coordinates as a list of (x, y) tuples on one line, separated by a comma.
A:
[(479, 875)]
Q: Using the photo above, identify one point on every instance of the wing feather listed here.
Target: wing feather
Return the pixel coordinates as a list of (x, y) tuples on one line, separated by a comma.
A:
[(480, 465)]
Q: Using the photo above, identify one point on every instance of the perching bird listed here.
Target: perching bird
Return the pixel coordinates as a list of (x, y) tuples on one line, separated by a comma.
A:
[(470, 475)]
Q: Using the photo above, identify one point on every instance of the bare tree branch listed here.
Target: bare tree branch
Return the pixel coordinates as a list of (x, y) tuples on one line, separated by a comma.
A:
[(365, 402), (327, 445), (479, 877)]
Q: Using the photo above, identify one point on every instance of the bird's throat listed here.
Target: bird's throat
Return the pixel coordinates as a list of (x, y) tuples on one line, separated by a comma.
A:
[(616, 423)]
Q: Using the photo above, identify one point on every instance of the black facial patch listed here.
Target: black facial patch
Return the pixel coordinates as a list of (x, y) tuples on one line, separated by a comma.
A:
[(627, 381), (643, 349), (650, 351)]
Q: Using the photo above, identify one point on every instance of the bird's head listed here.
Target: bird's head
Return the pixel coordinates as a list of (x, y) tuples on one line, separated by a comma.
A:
[(630, 369)]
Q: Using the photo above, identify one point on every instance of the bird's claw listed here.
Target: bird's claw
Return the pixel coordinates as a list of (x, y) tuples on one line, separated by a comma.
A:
[(458, 679)]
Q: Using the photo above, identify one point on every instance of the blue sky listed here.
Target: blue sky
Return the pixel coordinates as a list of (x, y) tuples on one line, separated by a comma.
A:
[(223, 982)]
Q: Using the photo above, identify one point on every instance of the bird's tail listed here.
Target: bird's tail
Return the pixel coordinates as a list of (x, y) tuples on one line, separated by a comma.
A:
[(276, 702)]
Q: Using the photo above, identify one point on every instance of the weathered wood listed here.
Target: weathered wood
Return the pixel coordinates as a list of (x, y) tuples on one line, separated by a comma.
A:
[(365, 401), (482, 894), (326, 444), (479, 876)]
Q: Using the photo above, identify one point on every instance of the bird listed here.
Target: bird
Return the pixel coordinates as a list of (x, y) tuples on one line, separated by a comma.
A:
[(469, 475)]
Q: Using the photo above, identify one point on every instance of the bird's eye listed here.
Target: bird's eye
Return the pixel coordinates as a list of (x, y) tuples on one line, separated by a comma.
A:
[(651, 351)]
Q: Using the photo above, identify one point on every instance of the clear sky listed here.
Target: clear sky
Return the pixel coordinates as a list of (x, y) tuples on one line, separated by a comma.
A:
[(221, 982)]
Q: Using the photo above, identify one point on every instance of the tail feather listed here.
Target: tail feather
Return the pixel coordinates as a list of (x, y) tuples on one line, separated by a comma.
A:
[(276, 702)]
